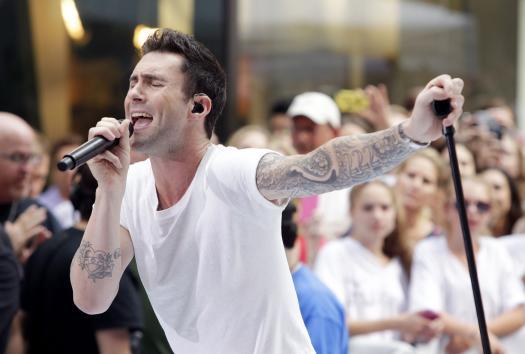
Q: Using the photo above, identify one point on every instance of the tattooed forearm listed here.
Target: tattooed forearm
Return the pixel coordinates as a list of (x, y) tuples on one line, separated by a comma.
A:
[(340, 163), (98, 264)]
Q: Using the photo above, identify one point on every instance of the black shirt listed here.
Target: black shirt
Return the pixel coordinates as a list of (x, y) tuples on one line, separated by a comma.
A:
[(9, 288), (53, 323), (10, 212)]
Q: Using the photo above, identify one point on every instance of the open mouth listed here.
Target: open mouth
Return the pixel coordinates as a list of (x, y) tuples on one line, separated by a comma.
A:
[(141, 120)]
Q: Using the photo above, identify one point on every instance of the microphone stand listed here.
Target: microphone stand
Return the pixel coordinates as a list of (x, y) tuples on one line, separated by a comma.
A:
[(441, 110)]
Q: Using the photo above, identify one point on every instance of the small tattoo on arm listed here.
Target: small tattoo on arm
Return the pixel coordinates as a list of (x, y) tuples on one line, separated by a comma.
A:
[(97, 263)]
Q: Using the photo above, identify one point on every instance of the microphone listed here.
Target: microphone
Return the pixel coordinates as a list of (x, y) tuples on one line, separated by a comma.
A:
[(441, 108), (87, 151)]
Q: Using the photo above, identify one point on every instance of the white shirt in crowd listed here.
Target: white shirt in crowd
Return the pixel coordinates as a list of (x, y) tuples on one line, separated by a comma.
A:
[(368, 289), (333, 213), (440, 282), (515, 245)]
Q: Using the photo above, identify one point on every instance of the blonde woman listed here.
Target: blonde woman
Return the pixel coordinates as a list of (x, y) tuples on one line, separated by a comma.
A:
[(420, 181)]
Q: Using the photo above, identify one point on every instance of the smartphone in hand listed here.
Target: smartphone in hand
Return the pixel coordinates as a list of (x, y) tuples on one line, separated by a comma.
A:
[(429, 314)]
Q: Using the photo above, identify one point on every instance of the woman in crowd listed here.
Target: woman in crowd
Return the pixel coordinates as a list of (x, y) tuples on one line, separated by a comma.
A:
[(440, 280), (466, 162), (420, 182), (505, 202), (505, 153), (368, 279)]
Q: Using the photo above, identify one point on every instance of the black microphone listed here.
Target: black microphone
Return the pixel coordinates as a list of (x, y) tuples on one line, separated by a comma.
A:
[(87, 151), (441, 108)]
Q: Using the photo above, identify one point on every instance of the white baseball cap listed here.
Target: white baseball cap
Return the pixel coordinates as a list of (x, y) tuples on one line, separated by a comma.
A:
[(318, 107)]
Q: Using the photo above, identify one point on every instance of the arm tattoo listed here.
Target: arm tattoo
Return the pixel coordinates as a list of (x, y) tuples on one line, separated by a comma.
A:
[(98, 264), (340, 163)]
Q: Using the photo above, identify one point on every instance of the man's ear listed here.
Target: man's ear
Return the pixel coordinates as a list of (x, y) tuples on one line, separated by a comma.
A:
[(197, 108), (201, 105)]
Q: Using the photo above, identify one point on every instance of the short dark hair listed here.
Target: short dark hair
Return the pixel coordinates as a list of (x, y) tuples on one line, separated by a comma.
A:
[(203, 73), (71, 139), (288, 226)]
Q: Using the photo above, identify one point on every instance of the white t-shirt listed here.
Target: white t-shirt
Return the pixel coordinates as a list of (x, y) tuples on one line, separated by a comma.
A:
[(368, 289), (213, 264), (515, 245), (333, 213), (440, 282)]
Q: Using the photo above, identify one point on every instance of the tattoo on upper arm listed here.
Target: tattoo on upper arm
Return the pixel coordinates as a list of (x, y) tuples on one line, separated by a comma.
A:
[(97, 263), (340, 163)]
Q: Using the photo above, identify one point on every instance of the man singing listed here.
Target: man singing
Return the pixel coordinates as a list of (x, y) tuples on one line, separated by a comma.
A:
[(203, 220)]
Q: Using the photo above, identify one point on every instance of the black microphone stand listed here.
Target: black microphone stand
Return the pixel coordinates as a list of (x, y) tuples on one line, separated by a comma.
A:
[(441, 110)]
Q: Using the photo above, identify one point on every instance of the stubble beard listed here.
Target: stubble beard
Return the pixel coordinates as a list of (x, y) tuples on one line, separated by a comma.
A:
[(157, 143)]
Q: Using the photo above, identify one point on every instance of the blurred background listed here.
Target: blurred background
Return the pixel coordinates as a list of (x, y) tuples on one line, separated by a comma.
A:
[(64, 64)]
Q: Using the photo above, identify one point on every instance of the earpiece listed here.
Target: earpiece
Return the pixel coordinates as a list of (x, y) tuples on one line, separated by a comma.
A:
[(197, 108)]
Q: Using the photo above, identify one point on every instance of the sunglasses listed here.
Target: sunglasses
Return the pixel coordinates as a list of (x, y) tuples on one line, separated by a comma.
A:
[(481, 207)]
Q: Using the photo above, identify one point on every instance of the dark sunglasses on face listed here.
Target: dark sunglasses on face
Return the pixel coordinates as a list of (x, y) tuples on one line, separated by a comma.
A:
[(481, 207)]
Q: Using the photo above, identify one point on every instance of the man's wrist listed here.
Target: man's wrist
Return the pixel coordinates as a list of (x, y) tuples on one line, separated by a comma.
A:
[(413, 143)]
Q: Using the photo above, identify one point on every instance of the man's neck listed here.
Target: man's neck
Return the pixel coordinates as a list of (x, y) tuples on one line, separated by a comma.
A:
[(174, 176)]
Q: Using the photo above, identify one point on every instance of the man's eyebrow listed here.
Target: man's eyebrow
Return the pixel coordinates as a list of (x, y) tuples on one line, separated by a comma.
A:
[(149, 77)]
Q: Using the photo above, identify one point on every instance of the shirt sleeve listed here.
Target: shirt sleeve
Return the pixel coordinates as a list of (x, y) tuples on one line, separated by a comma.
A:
[(511, 287), (515, 246), (235, 177), (327, 336)]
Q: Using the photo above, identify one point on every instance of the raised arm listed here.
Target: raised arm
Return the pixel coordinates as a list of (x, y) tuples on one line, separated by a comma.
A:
[(106, 247), (345, 161), (339, 163)]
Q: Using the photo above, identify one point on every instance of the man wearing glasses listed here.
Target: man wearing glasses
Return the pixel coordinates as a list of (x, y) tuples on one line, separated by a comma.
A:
[(23, 219)]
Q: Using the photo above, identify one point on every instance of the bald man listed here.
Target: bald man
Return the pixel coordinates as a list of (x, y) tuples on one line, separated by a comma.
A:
[(22, 218)]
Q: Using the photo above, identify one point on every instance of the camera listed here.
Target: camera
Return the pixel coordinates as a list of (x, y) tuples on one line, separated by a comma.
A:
[(485, 121)]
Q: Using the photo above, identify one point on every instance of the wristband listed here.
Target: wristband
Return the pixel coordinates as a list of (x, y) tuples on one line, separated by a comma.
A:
[(411, 142)]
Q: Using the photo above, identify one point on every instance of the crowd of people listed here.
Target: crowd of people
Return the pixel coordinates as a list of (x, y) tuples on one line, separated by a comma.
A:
[(377, 265), (399, 268)]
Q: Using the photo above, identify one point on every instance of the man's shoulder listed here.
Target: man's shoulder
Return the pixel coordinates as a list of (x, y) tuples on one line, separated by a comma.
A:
[(139, 169), (139, 174), (234, 156), (315, 298), (308, 283)]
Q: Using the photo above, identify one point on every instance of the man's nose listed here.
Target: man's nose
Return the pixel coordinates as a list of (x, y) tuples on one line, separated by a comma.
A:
[(26, 166), (136, 93)]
